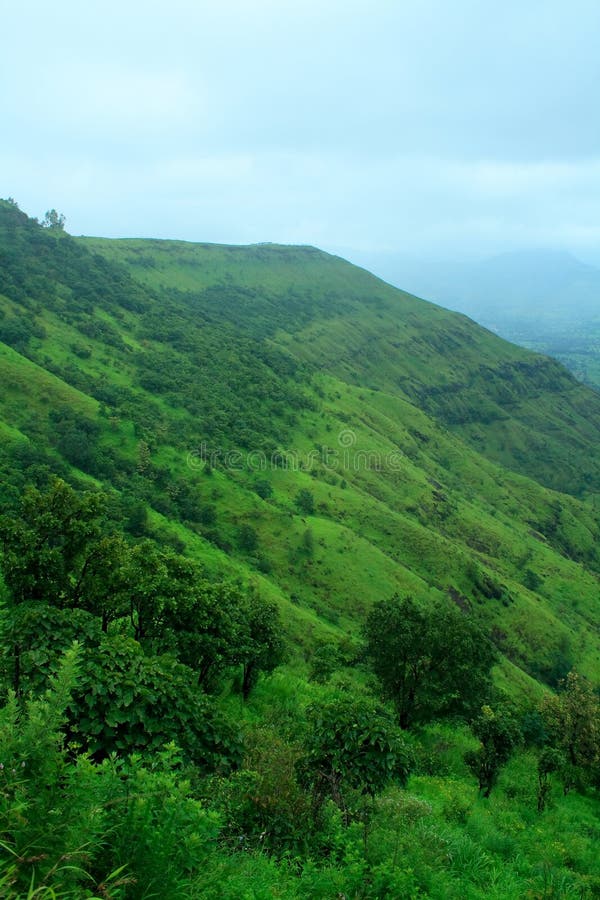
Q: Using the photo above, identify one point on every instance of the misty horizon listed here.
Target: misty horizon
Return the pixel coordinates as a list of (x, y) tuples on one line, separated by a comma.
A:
[(416, 129)]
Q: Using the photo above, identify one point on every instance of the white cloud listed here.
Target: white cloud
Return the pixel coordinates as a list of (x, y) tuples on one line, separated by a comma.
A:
[(419, 124)]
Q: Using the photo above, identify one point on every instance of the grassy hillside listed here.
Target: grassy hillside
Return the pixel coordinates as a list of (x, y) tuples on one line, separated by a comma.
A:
[(522, 410), (295, 424), (133, 361)]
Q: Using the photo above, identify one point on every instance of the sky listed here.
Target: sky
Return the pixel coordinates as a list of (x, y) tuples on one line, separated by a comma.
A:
[(427, 127)]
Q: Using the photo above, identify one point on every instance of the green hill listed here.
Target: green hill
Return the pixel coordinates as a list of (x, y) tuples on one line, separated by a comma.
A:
[(295, 424), (434, 451)]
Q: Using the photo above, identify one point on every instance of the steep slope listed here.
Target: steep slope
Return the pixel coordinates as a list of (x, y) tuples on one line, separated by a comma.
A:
[(545, 300), (523, 410), (354, 434)]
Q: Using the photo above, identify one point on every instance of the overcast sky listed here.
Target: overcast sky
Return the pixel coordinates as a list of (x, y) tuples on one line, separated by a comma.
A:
[(421, 126)]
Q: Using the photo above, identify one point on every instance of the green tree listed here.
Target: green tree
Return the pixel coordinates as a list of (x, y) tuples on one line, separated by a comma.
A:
[(305, 502), (498, 734), (431, 661), (54, 556), (33, 636), (263, 488), (128, 701), (572, 721), (102, 585), (154, 581), (247, 538), (205, 625), (550, 761), (260, 647), (54, 221), (352, 745), (308, 543), (47, 543), (136, 516)]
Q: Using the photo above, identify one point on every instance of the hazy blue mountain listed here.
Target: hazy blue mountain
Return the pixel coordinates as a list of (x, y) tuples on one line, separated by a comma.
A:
[(546, 300)]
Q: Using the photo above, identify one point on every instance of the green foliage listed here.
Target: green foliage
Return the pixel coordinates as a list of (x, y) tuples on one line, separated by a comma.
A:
[(44, 548), (308, 543), (152, 311), (46, 821), (247, 538), (161, 834), (305, 502), (128, 702), (260, 647), (331, 656), (54, 221), (532, 580), (55, 551), (262, 805), (352, 746), (263, 488), (34, 636), (572, 721), (430, 661), (72, 828), (498, 734), (550, 761)]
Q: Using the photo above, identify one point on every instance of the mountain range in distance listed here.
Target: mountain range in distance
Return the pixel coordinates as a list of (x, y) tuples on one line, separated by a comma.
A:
[(545, 300)]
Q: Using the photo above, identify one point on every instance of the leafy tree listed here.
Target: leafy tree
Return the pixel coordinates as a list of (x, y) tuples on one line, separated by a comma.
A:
[(263, 488), (207, 514), (352, 746), (260, 646), (532, 580), (16, 332), (158, 582), (533, 729), (550, 761), (572, 720), (46, 545), (330, 656), (308, 543), (205, 625), (305, 502), (431, 661), (55, 552), (33, 637), (247, 538), (126, 701), (499, 734), (136, 516), (54, 221), (102, 582)]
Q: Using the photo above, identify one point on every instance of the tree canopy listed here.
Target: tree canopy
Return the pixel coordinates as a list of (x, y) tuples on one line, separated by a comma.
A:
[(431, 661)]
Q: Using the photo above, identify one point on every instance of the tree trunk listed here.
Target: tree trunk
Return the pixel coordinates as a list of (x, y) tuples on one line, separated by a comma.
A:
[(248, 679), (17, 669)]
